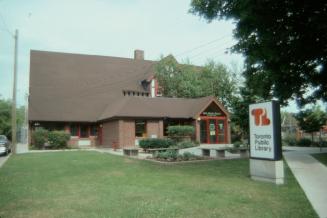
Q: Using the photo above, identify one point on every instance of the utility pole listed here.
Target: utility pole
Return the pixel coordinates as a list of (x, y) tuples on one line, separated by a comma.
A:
[(13, 109)]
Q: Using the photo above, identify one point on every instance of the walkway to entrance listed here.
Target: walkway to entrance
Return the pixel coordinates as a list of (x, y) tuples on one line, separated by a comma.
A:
[(310, 174)]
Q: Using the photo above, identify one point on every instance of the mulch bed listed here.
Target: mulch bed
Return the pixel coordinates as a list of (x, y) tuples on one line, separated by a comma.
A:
[(180, 160)]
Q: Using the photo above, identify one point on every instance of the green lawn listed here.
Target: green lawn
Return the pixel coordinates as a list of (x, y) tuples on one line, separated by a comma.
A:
[(321, 157), (91, 184)]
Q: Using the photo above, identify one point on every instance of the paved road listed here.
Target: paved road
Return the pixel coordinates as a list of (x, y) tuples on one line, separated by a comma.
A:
[(311, 175)]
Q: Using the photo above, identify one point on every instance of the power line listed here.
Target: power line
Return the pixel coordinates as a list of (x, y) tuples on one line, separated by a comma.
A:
[(202, 45), (211, 49), (219, 53)]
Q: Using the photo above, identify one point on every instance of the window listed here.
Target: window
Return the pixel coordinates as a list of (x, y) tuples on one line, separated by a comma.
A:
[(74, 130), (84, 131), (94, 130), (140, 128)]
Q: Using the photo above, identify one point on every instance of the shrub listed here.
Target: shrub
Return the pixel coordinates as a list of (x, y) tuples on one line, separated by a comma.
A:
[(167, 155), (188, 156), (289, 140), (196, 143), (172, 155), (323, 144), (237, 144), (155, 143), (58, 139), (236, 136), (180, 133), (180, 130), (40, 137), (304, 142), (186, 144)]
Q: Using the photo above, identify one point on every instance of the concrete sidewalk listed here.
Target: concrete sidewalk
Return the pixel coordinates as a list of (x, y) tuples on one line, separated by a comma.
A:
[(312, 177)]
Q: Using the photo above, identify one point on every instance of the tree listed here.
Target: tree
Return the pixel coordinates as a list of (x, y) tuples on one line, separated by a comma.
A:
[(188, 81), (177, 80), (311, 120), (284, 43), (240, 111), (218, 81), (5, 117), (288, 122)]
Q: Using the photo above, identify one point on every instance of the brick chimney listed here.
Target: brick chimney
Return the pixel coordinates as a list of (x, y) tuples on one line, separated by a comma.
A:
[(138, 55)]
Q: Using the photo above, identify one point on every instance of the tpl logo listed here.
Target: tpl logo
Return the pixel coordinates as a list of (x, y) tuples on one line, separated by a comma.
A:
[(260, 117)]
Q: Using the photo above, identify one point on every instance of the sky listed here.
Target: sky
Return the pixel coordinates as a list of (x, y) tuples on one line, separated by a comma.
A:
[(110, 28)]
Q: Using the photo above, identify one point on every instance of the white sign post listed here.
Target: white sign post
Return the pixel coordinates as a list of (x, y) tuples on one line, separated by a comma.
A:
[(266, 162)]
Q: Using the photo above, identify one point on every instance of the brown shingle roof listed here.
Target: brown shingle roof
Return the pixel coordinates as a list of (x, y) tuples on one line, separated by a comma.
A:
[(156, 107), (88, 88)]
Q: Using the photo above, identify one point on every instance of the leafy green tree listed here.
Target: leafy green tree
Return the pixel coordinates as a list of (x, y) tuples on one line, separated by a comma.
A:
[(188, 81), (5, 117), (177, 80), (218, 81), (311, 120), (240, 112), (284, 43)]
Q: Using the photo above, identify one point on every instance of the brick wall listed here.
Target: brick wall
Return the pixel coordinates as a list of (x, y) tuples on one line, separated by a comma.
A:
[(73, 142), (127, 133), (120, 131), (110, 133), (154, 127), (196, 125), (123, 132)]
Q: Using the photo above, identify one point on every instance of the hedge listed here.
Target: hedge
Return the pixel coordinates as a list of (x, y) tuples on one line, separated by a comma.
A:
[(40, 137), (180, 131), (155, 143), (187, 144), (58, 139)]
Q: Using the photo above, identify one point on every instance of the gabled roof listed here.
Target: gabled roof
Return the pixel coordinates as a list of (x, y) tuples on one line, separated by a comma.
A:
[(61, 82), (89, 88), (157, 107)]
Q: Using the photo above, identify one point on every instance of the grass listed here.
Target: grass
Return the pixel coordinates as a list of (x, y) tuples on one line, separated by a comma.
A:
[(91, 184), (321, 157)]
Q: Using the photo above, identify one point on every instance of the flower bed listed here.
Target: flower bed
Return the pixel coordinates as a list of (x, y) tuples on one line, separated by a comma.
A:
[(173, 156)]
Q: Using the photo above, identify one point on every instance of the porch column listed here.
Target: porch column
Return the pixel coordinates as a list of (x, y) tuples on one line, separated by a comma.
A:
[(161, 129), (196, 124), (229, 141), (67, 128)]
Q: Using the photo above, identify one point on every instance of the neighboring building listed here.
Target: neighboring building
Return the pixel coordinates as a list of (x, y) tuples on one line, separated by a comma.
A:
[(103, 101)]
